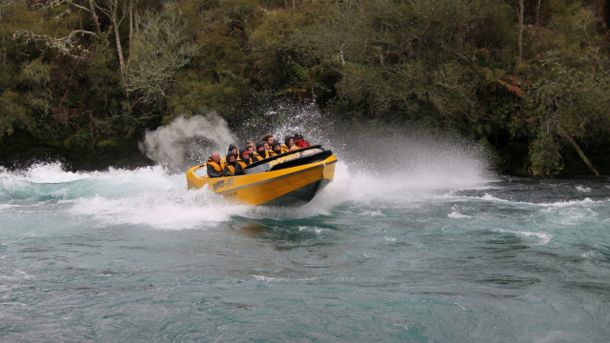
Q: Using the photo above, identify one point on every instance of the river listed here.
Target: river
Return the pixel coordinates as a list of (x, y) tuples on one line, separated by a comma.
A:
[(131, 255)]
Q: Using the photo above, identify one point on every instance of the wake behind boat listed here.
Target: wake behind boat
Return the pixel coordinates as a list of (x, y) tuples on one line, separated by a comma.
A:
[(291, 178)]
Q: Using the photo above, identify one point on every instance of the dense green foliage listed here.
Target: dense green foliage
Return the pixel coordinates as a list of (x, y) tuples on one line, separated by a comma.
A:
[(528, 78)]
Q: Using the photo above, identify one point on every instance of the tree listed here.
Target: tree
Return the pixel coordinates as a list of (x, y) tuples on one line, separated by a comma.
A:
[(160, 49)]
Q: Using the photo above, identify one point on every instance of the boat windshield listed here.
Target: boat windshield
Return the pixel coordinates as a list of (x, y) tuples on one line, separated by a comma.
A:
[(292, 156)]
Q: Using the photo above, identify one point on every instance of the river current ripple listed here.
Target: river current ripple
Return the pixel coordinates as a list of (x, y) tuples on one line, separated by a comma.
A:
[(131, 256)]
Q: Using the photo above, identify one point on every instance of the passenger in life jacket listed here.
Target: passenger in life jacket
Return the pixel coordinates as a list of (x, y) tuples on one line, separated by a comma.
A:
[(215, 166), (269, 139), (300, 141), (243, 162), (276, 150), (262, 151), (229, 169), (233, 150), (254, 156), (289, 144), (268, 149)]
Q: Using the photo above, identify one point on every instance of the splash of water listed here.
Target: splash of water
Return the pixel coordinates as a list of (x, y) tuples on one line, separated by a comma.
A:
[(389, 165), (185, 139)]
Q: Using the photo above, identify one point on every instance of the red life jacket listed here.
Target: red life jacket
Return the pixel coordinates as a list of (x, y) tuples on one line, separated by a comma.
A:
[(301, 143)]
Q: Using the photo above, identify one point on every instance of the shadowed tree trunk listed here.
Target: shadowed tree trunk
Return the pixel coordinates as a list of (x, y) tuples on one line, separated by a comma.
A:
[(117, 38), (96, 19), (603, 16), (576, 147), (520, 39), (538, 5)]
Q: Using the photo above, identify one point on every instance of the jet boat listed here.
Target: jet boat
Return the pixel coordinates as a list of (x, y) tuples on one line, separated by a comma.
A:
[(288, 179)]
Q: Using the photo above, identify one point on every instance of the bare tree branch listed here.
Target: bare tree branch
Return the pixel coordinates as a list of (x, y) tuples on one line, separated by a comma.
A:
[(67, 45)]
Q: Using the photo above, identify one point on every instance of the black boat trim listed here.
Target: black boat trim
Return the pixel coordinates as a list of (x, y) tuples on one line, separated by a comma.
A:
[(321, 156)]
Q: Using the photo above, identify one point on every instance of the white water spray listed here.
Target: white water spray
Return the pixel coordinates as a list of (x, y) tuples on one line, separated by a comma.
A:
[(184, 138), (389, 165)]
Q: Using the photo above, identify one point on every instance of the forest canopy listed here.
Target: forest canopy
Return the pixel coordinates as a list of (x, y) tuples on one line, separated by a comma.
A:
[(528, 79)]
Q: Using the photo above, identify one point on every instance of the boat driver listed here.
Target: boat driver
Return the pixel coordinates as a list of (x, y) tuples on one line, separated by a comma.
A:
[(215, 165)]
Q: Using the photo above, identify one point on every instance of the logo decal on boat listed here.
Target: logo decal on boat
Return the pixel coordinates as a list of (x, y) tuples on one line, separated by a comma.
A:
[(222, 183), (218, 184)]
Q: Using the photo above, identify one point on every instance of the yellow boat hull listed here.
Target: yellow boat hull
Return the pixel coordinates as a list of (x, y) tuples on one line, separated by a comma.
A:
[(290, 186)]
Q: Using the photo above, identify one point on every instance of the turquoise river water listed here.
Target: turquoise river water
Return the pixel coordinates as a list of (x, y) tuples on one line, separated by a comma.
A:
[(433, 256)]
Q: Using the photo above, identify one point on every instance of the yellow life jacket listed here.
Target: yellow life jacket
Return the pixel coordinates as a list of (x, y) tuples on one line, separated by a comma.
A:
[(231, 169), (284, 148), (255, 156), (243, 164), (272, 153), (217, 167)]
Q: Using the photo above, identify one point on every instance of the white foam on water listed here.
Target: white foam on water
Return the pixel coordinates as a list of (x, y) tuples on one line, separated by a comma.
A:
[(163, 204), (167, 213), (373, 214), (41, 173), (543, 237), (561, 204), (268, 279), (317, 230), (7, 206), (557, 204), (152, 196), (51, 173), (457, 215), (583, 189)]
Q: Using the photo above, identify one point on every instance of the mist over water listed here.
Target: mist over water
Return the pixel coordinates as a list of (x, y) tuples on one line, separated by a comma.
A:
[(410, 157), (187, 139), (415, 240)]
